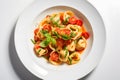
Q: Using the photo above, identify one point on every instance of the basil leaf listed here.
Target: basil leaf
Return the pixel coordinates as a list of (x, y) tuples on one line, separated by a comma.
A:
[(72, 34), (39, 50), (56, 34), (66, 37), (53, 41), (44, 31), (47, 35), (45, 42), (56, 24), (66, 53), (66, 20)]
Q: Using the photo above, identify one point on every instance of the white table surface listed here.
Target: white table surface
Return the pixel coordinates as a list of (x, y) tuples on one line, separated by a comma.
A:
[(12, 69)]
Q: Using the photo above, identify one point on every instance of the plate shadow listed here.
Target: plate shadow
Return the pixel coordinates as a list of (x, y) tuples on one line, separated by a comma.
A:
[(17, 65)]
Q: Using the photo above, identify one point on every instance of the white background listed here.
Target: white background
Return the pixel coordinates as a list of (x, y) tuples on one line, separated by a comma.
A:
[(12, 69)]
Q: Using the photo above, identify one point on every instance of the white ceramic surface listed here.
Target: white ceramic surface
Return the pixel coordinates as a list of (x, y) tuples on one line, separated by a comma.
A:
[(38, 66)]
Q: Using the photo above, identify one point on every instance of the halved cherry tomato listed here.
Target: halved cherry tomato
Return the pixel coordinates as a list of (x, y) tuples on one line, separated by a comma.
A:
[(36, 31), (66, 31), (61, 16), (36, 46), (63, 31), (54, 56), (79, 22), (47, 27), (67, 42), (57, 30), (36, 38), (60, 42), (72, 20), (85, 35)]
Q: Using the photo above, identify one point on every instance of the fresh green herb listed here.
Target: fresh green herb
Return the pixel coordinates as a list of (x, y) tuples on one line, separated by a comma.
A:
[(44, 31), (70, 60), (47, 35), (73, 34), (57, 24), (66, 53), (39, 50), (53, 41), (45, 42), (33, 41), (56, 34), (66, 20), (51, 18), (48, 39), (66, 37)]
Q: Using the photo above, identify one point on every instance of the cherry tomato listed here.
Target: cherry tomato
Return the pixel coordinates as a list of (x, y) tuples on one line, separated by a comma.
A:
[(79, 22), (36, 46), (58, 30), (67, 42), (54, 56), (36, 38), (36, 31), (85, 35), (66, 31), (47, 27), (61, 16), (72, 20), (60, 42)]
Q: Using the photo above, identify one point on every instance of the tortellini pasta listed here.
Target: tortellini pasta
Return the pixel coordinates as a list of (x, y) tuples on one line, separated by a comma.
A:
[(64, 54), (60, 37), (71, 46), (81, 44), (74, 58), (77, 30), (40, 51)]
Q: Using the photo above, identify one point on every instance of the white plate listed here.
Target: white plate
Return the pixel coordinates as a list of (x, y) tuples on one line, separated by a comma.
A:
[(39, 66)]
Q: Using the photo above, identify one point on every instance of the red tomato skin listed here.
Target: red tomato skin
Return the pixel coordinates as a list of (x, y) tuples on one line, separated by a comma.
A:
[(60, 42), (36, 46), (61, 17), (54, 56), (72, 20), (36, 31), (85, 35), (36, 38), (47, 27), (66, 31), (79, 22)]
